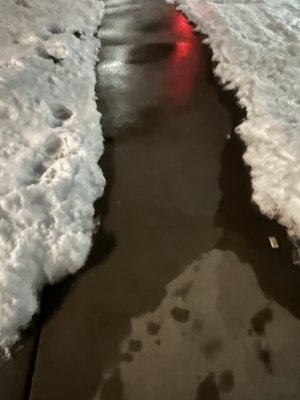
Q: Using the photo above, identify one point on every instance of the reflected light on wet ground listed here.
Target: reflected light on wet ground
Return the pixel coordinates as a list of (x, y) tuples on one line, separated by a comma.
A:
[(183, 65), (170, 57), (220, 339)]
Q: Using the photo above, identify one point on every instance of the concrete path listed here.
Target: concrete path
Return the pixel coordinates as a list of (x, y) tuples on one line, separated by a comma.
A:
[(183, 297)]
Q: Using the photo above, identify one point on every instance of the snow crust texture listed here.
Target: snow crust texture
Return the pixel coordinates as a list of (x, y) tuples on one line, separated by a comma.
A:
[(50, 143), (257, 46)]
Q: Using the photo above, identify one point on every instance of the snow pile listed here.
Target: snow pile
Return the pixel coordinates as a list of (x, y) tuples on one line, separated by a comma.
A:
[(50, 143), (257, 46)]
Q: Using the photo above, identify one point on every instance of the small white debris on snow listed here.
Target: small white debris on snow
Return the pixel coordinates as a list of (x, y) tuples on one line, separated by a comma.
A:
[(273, 242)]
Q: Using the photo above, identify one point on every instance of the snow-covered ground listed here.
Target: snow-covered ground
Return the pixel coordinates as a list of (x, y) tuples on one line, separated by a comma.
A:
[(257, 46), (50, 142), (50, 138)]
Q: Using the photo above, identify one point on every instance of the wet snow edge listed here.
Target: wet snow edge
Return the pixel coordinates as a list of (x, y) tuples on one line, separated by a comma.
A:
[(261, 62)]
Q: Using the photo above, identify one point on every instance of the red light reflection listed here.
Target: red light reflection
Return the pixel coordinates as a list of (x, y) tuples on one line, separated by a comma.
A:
[(182, 49), (184, 63), (181, 25)]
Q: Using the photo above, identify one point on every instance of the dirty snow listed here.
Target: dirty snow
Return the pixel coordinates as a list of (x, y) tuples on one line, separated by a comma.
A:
[(257, 46), (50, 142)]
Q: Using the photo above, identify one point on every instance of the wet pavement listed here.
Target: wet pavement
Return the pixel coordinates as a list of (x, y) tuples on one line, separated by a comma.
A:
[(183, 297)]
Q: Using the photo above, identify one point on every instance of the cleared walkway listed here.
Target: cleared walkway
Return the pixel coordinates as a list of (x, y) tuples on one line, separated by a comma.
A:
[(182, 297)]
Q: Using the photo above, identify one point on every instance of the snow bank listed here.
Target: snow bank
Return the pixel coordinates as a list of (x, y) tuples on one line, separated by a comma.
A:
[(257, 46), (50, 143)]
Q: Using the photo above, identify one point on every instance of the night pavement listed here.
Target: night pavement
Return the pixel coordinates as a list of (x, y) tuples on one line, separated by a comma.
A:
[(183, 297)]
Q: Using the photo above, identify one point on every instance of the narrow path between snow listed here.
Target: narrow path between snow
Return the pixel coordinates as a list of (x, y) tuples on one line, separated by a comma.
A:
[(182, 298)]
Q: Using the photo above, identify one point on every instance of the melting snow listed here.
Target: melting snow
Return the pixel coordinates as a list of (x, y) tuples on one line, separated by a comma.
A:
[(50, 143), (257, 46)]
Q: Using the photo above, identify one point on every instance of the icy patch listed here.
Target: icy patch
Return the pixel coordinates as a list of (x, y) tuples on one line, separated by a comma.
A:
[(257, 47), (50, 143)]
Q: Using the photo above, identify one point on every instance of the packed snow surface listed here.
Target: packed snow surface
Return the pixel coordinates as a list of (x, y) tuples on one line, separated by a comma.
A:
[(257, 46), (50, 143)]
